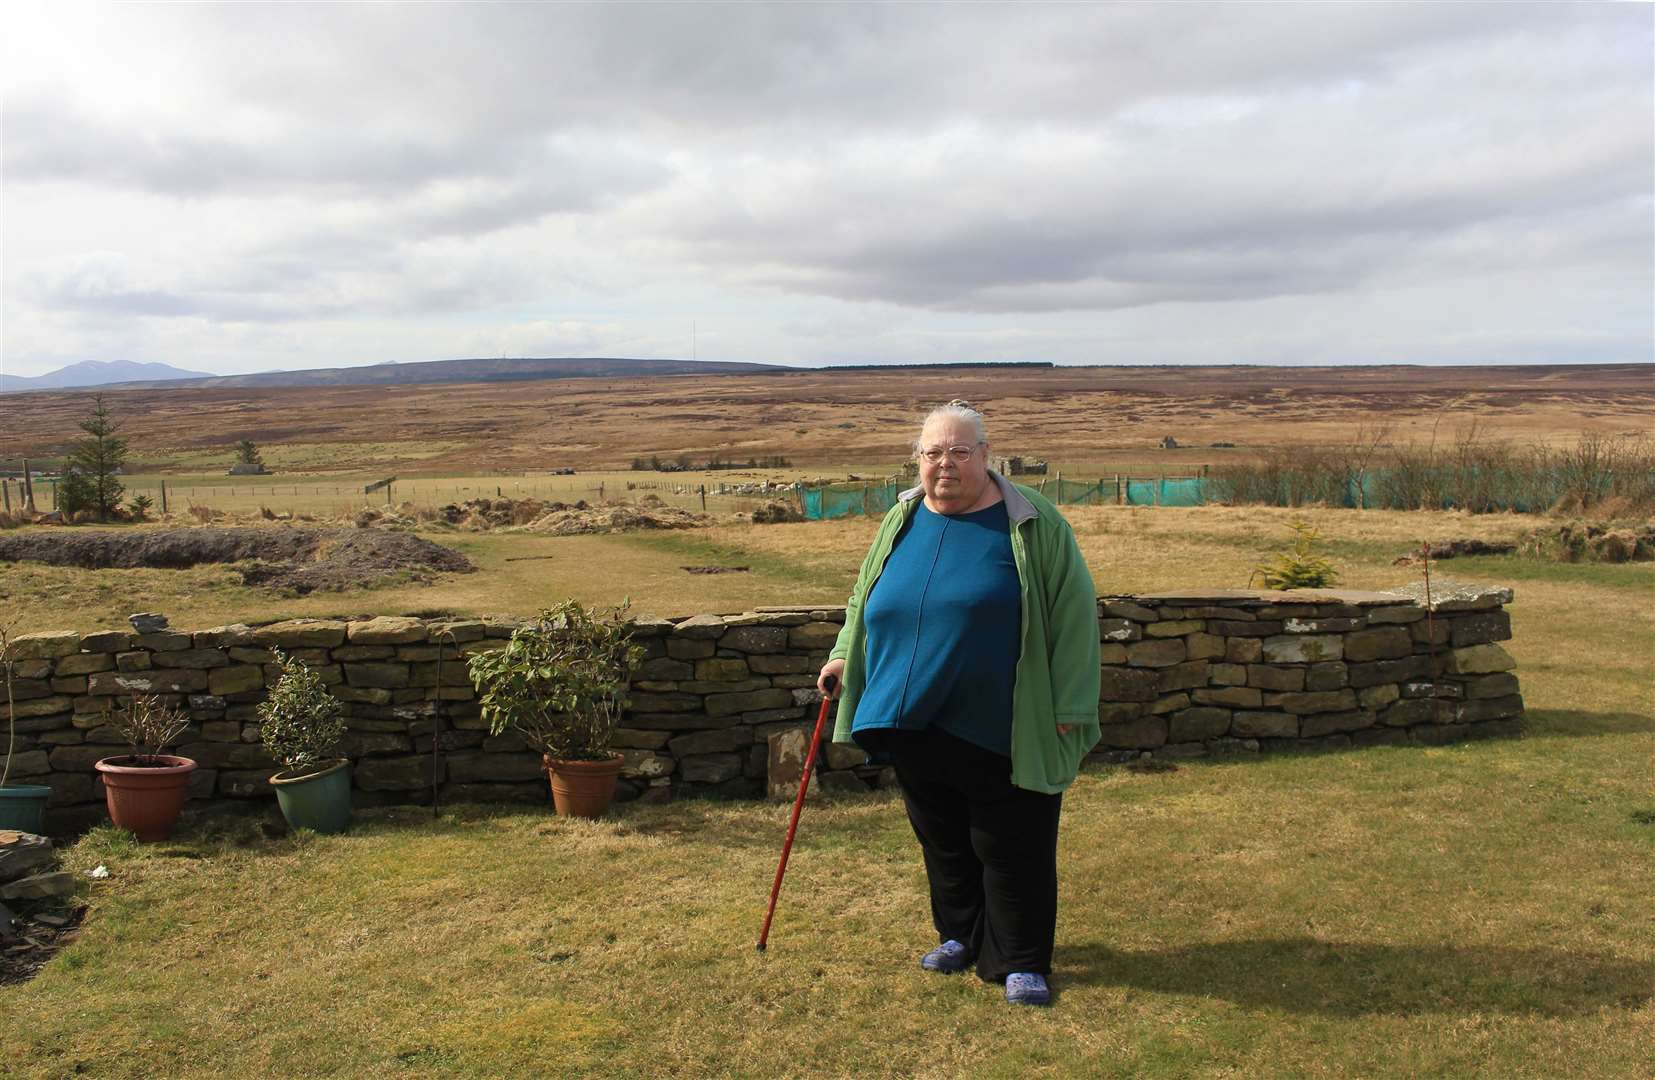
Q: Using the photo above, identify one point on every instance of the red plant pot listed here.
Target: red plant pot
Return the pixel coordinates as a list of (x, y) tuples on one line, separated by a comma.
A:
[(146, 799), (583, 788)]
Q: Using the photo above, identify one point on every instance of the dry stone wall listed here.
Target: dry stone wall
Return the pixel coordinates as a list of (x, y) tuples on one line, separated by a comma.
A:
[(1183, 675)]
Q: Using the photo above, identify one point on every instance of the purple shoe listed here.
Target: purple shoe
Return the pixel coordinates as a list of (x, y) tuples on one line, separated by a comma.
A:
[(949, 957), (1027, 988)]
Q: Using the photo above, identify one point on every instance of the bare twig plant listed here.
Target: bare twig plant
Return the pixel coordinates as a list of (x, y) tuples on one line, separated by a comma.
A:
[(11, 711), (148, 724)]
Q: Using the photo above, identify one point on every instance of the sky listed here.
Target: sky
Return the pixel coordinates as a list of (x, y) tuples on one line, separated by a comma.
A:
[(245, 187)]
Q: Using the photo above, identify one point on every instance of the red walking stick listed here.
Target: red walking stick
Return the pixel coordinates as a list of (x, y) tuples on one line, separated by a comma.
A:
[(798, 804)]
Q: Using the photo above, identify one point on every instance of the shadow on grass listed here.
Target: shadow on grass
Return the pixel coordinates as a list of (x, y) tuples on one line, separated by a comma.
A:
[(1570, 723), (1341, 978)]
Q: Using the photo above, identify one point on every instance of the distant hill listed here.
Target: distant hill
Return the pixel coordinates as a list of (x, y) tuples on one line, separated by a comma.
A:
[(446, 371), (98, 373)]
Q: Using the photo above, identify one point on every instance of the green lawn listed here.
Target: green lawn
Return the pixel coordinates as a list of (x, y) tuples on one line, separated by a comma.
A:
[(1473, 910)]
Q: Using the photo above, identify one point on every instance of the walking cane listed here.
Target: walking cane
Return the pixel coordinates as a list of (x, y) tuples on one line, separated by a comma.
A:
[(798, 803)]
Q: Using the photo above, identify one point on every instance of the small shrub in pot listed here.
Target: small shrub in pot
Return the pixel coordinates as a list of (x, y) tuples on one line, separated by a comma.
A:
[(561, 684), (145, 790), (300, 724)]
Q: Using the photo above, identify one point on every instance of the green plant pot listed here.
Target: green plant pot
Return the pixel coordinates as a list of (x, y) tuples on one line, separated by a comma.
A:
[(23, 806), (319, 801)]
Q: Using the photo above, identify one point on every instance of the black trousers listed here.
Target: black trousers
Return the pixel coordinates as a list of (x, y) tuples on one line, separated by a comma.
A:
[(990, 851)]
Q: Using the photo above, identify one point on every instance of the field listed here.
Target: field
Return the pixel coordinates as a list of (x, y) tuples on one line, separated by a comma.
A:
[(1467, 911), (1086, 421)]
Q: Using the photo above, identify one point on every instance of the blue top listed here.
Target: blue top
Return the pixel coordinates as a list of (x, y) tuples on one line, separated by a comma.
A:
[(944, 628)]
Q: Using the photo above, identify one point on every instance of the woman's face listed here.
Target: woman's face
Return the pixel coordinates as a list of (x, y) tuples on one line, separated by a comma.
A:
[(952, 485)]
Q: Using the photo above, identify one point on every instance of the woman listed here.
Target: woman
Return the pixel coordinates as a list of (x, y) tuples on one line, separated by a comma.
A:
[(969, 657)]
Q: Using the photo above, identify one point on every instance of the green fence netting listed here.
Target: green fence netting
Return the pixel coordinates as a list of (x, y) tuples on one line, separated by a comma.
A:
[(842, 500)]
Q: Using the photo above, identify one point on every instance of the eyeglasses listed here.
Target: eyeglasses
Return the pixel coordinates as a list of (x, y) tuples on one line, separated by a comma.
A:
[(958, 454)]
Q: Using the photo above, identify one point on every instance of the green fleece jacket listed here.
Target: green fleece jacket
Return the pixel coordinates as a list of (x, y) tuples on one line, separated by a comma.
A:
[(1057, 669)]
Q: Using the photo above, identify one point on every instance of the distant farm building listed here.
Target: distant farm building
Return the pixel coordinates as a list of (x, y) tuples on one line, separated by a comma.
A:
[(1168, 443), (1016, 466)]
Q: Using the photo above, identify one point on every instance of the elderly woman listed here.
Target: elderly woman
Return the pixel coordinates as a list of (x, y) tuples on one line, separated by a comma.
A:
[(969, 658)]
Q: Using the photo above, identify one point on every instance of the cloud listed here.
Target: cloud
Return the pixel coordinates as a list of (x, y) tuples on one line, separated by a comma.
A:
[(953, 178)]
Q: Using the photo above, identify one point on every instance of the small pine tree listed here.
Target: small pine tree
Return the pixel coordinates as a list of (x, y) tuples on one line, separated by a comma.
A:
[(95, 460), (247, 453), (1300, 567)]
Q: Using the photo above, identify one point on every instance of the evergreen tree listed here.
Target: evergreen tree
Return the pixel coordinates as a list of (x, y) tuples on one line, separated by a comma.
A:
[(247, 453), (93, 463)]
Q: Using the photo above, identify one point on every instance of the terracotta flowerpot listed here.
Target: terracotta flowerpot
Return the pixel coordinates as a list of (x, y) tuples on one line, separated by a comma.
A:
[(583, 788), (146, 799)]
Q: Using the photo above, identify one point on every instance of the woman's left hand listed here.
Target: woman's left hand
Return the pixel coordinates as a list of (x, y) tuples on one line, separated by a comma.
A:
[(1064, 729)]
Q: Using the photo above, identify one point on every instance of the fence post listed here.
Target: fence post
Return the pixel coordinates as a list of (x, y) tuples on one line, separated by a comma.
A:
[(1060, 489), (54, 494), (5, 492), (703, 498), (163, 496), (864, 500), (28, 488), (1120, 492)]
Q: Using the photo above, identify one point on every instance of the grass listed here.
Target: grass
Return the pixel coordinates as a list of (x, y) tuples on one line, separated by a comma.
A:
[(1472, 910)]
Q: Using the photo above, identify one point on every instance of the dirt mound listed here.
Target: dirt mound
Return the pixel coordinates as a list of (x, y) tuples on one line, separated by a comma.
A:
[(609, 519), (296, 559), (1449, 549), (480, 515), (1581, 541), (774, 513)]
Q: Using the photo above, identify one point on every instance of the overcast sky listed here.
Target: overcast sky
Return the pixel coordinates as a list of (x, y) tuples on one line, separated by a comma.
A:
[(242, 187)]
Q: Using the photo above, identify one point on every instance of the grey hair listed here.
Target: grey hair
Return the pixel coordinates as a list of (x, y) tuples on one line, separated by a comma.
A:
[(958, 410)]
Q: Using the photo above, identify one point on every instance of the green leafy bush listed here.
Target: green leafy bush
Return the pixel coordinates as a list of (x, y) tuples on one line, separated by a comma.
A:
[(561, 681), (301, 723), (1300, 567)]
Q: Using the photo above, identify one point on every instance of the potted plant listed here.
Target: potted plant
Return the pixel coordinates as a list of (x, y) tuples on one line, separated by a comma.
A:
[(145, 789), (22, 806), (301, 725), (560, 682)]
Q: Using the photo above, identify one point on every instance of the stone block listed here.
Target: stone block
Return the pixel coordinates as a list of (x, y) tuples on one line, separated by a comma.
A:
[(1234, 628), (756, 639), (1111, 654), (235, 680), (107, 641), (1204, 646), (844, 755), (395, 773), (1120, 630), (221, 731), (1230, 697), (700, 627), (1378, 697), (1330, 675), (46, 706), (476, 765), (1499, 708), (1438, 734), (82, 758), (1243, 650), (813, 635), (358, 653), (1303, 648), (664, 669), (690, 721), (1379, 736), (1410, 711), (46, 645), (690, 648), (1433, 632), (1163, 652), (783, 664), (238, 755), (121, 684), (1171, 703), (1480, 660), (1390, 671), (727, 704), (454, 673), (30, 763), (32, 669), (1185, 676), (242, 654), (29, 689), (1499, 684), (1228, 675), (73, 684), (1197, 723), (1127, 684), (643, 702), (1264, 725), (1378, 643), (163, 641), (387, 630), (718, 669), (1267, 677), (384, 676), (363, 695), (709, 768), (1312, 701), (1396, 613), (1120, 712), (1125, 609), (1326, 723), (245, 783), (456, 630), (696, 686), (843, 782), (71, 788), (711, 742), (356, 744), (221, 637), (786, 750), (646, 764), (1144, 733), (302, 633), (133, 661), (39, 886), (86, 663), (201, 659)]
